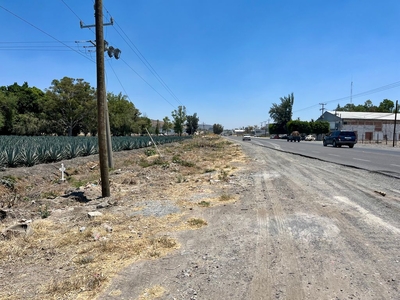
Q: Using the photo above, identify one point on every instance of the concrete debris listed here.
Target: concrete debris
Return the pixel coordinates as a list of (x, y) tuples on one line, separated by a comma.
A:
[(17, 230), (93, 214)]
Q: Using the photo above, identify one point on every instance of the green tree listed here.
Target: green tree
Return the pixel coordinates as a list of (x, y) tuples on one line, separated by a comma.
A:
[(123, 114), (192, 124), (282, 113), (142, 124), (167, 125), (157, 130), (70, 101), (319, 127), (349, 107), (8, 111), (369, 106), (300, 126), (179, 116), (218, 128), (28, 98), (273, 128), (386, 106)]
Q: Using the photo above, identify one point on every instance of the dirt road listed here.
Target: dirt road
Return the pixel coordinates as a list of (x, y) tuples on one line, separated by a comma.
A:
[(302, 229)]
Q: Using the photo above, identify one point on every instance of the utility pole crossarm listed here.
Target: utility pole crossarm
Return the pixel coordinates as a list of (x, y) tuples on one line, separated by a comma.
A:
[(90, 26)]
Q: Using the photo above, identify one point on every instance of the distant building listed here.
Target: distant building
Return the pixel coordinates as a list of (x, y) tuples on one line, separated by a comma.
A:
[(239, 132), (369, 126)]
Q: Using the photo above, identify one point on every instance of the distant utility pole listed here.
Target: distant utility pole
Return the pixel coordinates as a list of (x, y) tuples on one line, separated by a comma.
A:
[(351, 92), (322, 108), (395, 121), (101, 97)]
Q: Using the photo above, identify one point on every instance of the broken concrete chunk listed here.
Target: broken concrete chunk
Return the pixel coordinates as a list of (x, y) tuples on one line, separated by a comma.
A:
[(103, 205), (16, 230), (93, 214)]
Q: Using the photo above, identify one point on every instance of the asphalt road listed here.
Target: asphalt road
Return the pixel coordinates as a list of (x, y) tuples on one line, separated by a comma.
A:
[(375, 158)]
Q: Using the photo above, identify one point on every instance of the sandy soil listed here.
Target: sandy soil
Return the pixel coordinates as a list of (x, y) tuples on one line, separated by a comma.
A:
[(278, 227)]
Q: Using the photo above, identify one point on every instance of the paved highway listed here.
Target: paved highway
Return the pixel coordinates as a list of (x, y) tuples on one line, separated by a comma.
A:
[(377, 158)]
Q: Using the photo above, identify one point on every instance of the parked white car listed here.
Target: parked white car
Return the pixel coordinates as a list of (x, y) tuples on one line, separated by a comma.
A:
[(310, 137)]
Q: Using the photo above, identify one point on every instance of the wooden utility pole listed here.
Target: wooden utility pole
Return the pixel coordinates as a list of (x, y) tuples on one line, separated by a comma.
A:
[(101, 98)]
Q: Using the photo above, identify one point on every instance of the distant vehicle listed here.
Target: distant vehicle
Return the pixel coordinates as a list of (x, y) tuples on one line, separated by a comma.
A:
[(246, 138), (310, 137), (275, 136), (340, 137), (294, 137)]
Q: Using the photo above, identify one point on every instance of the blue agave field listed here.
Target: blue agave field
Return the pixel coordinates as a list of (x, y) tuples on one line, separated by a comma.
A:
[(19, 151)]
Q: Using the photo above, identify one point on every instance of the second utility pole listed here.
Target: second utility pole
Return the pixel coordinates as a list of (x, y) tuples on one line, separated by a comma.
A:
[(101, 96)]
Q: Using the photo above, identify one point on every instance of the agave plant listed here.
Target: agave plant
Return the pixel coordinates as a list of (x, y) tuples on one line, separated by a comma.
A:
[(55, 153), (89, 147), (73, 150), (29, 156), (12, 157)]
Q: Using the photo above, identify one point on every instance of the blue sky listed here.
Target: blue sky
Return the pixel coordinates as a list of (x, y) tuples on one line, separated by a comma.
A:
[(227, 61)]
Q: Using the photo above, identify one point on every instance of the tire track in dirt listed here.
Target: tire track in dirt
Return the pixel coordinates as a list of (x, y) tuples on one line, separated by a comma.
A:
[(261, 283), (279, 273), (361, 234)]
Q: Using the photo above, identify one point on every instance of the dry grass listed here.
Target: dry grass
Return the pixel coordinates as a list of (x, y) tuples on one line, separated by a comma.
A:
[(59, 261)]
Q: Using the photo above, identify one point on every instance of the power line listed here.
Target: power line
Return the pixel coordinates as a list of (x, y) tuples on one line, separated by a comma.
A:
[(37, 28), (115, 74), (144, 60), (112, 21), (76, 14), (373, 91), (147, 82)]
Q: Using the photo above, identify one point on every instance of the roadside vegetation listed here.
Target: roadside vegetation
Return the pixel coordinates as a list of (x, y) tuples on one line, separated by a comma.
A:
[(68, 255)]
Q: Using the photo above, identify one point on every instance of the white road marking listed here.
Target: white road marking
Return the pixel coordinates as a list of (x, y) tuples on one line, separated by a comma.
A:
[(395, 165), (315, 151), (334, 155), (360, 159), (366, 215)]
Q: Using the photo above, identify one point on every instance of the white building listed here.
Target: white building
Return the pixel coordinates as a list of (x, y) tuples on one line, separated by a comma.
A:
[(369, 126)]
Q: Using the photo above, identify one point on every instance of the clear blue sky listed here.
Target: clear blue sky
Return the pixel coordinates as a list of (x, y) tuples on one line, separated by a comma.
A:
[(226, 60)]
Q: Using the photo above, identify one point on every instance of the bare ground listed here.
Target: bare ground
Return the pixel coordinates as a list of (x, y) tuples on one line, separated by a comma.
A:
[(241, 222)]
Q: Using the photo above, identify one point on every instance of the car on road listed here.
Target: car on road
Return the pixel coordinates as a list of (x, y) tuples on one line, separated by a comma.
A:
[(310, 137), (339, 138), (246, 138), (294, 137)]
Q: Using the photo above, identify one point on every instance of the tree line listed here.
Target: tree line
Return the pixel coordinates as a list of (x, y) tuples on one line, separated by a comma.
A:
[(283, 123), (69, 107)]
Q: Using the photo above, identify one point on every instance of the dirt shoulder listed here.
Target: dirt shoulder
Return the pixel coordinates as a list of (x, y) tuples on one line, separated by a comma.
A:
[(212, 219), (301, 229), (66, 254)]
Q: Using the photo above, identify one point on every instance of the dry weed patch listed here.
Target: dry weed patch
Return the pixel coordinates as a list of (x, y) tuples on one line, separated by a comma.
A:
[(152, 293), (70, 256)]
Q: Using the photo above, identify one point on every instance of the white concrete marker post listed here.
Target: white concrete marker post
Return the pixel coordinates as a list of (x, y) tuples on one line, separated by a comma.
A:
[(62, 169)]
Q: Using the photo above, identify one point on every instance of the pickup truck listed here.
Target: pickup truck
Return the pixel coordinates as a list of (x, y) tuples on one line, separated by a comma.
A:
[(294, 137)]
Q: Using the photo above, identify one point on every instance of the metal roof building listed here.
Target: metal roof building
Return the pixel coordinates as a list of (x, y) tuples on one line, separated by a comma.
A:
[(369, 126)]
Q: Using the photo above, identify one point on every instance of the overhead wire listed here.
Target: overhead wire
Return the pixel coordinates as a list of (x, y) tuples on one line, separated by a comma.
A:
[(128, 64), (369, 92), (147, 82), (44, 32), (143, 59)]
